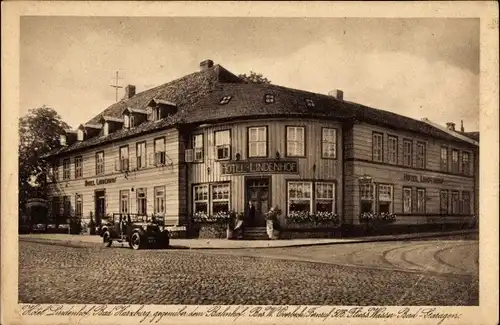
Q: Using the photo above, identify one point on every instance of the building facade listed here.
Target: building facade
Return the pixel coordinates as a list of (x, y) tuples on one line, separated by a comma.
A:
[(209, 143)]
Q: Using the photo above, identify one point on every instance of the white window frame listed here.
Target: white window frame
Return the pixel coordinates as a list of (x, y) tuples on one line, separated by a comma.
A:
[(78, 205), (126, 121), (421, 154), (329, 143), (106, 128), (223, 199), (204, 188), (379, 198), (319, 197), (455, 163), (124, 158), (159, 151), (99, 163), (297, 198), (466, 163), (407, 200), (139, 191), (392, 149), (407, 156), (124, 201), (421, 200), (78, 167), (80, 135), (67, 169), (132, 121), (295, 141), (141, 154), (378, 147), (160, 195), (198, 147), (257, 145), (223, 144)]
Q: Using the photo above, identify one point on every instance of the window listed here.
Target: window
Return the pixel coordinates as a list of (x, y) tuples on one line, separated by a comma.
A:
[(159, 151), (124, 158), (78, 167), (407, 200), (377, 147), (198, 147), (106, 128), (223, 144), (99, 163), (78, 205), (157, 114), (454, 161), (126, 121), (140, 153), (366, 197), (420, 200), (329, 143), (465, 163), (66, 206), (408, 153), (295, 143), (420, 155), (443, 202), (55, 168), (132, 121), (142, 203), (299, 197), (56, 208), (444, 159), (325, 197), (309, 103), (200, 199), (159, 207), (465, 203), (66, 169), (454, 202), (257, 141), (384, 198), (225, 100), (124, 201), (220, 198), (269, 98), (80, 135), (392, 150)]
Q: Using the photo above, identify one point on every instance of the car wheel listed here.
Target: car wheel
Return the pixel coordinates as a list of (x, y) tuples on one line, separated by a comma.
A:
[(106, 239), (135, 241)]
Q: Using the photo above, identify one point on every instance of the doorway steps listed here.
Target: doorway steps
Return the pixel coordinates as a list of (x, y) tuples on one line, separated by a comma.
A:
[(255, 233)]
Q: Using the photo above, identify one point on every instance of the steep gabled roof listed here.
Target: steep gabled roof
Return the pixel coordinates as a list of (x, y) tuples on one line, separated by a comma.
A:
[(455, 134)]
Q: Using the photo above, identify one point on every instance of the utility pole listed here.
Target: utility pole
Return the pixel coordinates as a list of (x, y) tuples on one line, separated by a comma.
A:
[(116, 86)]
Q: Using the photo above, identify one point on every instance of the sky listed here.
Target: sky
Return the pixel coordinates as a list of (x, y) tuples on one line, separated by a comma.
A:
[(415, 67)]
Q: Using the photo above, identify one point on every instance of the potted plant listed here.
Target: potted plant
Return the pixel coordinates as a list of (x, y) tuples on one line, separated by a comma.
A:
[(272, 222)]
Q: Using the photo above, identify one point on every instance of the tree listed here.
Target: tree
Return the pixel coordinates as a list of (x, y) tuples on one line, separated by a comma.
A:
[(39, 132), (254, 77)]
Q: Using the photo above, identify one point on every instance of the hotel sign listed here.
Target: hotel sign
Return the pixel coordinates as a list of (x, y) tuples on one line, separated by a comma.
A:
[(423, 179), (101, 181), (261, 166)]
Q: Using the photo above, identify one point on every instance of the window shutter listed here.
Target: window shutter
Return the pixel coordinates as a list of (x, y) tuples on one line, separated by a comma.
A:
[(212, 152), (189, 155), (117, 164)]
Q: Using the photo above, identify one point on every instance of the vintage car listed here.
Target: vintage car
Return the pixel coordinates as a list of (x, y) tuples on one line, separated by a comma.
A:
[(139, 231)]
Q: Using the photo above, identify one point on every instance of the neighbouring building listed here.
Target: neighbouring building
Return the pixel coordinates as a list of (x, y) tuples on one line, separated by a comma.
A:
[(209, 142)]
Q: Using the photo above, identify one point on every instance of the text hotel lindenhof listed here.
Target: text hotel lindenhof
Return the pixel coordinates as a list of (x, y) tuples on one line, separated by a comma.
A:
[(304, 153)]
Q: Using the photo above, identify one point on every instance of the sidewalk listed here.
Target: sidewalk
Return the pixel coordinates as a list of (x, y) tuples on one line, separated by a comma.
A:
[(96, 241)]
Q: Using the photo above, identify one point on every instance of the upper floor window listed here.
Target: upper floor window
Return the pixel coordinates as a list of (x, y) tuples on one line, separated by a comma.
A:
[(309, 103), (156, 113), (140, 154), (225, 100), (78, 167), (420, 155), (99, 163), (159, 149), (66, 169), (392, 149), (126, 121), (444, 159), (378, 147), (295, 141), (198, 147), (223, 144), (329, 143), (408, 153), (132, 121), (124, 158), (466, 163), (454, 161), (80, 135), (106, 128), (269, 98), (257, 141)]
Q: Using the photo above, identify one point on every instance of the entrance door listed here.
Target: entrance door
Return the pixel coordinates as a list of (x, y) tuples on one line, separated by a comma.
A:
[(258, 196), (100, 206)]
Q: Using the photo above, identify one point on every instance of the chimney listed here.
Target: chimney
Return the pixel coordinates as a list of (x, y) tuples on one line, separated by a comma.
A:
[(337, 93), (207, 64), (129, 91), (462, 126), (450, 126)]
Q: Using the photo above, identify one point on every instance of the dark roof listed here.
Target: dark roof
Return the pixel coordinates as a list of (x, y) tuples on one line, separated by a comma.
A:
[(472, 135), (197, 97)]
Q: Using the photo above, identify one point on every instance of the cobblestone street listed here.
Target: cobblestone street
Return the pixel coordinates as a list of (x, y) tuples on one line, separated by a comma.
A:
[(350, 274)]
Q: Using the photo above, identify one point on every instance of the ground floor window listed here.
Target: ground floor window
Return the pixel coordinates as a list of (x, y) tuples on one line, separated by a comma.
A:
[(384, 198), (66, 206), (407, 200), (200, 199), (420, 200), (210, 199), (454, 202), (366, 197), (124, 201), (325, 197), (220, 198), (466, 202), (300, 197), (142, 203), (78, 205), (159, 200), (56, 208), (443, 202)]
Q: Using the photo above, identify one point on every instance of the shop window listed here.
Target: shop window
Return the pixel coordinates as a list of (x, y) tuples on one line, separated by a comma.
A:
[(465, 202), (408, 153), (366, 197), (141, 154), (385, 198), (378, 147), (223, 144), (443, 202), (299, 197), (465, 163), (78, 205), (198, 147), (124, 158), (407, 200), (66, 169), (200, 199), (455, 202), (159, 207), (78, 167), (454, 161), (220, 198), (444, 159), (420, 200), (325, 197), (55, 170), (124, 201), (420, 155), (329, 143), (257, 141), (99, 163), (142, 202), (295, 141), (392, 150), (159, 149)]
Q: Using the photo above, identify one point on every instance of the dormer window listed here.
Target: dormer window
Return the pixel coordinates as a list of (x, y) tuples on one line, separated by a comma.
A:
[(62, 139), (269, 98), (225, 100), (132, 121), (106, 129), (309, 102), (80, 135), (126, 121), (157, 113)]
